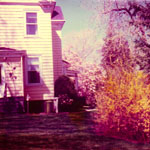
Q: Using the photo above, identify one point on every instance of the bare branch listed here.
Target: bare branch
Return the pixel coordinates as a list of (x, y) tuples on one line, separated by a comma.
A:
[(146, 44), (131, 11), (124, 9)]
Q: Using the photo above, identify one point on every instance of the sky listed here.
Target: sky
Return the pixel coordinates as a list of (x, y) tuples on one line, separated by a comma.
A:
[(77, 18), (78, 21)]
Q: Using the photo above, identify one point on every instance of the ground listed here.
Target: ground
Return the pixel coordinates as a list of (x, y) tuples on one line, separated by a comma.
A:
[(62, 131)]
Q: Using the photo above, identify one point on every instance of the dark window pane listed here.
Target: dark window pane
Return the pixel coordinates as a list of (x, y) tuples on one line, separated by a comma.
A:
[(31, 20), (31, 15), (33, 77), (31, 29), (33, 60), (33, 67)]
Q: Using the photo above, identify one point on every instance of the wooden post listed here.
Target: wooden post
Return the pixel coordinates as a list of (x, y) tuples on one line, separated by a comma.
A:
[(47, 107), (56, 104), (27, 100)]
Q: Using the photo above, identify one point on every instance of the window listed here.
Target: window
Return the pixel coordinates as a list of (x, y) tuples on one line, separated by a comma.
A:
[(31, 23), (33, 70)]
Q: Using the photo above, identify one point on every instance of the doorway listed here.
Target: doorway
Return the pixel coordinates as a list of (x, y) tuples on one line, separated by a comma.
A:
[(2, 80)]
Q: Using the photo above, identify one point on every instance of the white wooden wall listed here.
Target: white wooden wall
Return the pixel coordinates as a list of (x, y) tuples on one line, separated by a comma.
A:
[(12, 35)]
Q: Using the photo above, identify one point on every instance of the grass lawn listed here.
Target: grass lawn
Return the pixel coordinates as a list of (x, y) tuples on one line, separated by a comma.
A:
[(62, 131)]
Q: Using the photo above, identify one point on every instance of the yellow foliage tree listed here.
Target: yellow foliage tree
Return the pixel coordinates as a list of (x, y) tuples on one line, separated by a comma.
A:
[(123, 95), (123, 104)]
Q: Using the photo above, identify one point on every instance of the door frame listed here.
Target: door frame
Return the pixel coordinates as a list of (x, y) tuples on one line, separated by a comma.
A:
[(2, 83)]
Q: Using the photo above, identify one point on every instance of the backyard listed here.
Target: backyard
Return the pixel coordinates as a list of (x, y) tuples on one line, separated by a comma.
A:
[(62, 131)]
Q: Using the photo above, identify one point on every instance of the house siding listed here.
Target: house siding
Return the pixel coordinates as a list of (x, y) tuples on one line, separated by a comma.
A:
[(13, 75), (12, 33), (14, 82), (57, 52)]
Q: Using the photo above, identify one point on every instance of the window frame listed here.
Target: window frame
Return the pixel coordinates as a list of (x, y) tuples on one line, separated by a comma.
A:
[(40, 70), (25, 24), (2, 73), (3, 79)]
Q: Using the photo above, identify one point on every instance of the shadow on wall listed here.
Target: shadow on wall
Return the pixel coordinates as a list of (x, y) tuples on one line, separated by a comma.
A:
[(15, 83), (16, 90), (35, 88), (11, 85), (57, 54)]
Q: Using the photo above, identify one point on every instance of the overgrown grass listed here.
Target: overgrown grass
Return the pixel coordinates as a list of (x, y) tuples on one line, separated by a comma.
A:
[(64, 131)]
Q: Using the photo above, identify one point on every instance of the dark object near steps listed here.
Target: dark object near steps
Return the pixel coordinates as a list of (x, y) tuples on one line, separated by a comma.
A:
[(12, 105)]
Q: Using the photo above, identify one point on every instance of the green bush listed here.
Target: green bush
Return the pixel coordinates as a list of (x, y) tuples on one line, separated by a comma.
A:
[(67, 94)]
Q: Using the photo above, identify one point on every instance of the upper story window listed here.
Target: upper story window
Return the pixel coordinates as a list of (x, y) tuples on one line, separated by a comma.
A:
[(31, 23), (33, 70)]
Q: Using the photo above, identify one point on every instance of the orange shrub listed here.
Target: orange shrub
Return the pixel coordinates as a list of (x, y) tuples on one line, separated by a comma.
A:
[(123, 104)]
